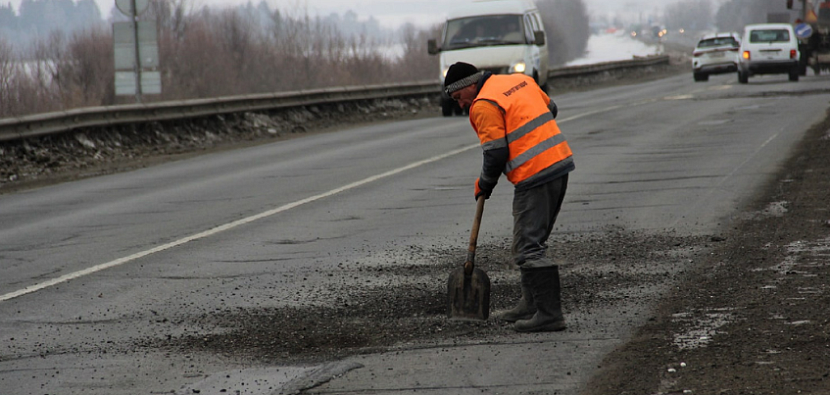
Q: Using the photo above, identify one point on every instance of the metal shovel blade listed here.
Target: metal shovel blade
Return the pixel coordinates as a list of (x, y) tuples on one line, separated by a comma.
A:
[(468, 295)]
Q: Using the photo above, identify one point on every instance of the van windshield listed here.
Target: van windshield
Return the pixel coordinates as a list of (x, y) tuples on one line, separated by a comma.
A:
[(769, 35), (485, 30)]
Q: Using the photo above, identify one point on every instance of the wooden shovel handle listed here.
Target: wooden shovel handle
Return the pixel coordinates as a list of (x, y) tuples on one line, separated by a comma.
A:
[(471, 250)]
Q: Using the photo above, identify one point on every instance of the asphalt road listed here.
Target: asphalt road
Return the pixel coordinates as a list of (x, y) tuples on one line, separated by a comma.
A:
[(85, 266)]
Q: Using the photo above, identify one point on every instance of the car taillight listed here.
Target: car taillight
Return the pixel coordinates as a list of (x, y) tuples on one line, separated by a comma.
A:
[(793, 54), (746, 55)]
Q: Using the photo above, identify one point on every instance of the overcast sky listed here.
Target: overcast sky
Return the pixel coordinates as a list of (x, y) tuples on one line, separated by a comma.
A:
[(392, 13), (425, 12), (396, 12)]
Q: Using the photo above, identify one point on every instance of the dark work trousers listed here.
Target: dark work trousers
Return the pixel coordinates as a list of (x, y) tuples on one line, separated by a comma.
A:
[(534, 213)]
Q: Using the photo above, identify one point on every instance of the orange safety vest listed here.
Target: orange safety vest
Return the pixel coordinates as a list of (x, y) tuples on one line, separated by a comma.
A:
[(537, 146)]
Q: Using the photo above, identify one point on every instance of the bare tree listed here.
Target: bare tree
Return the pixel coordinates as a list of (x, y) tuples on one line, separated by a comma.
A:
[(205, 53), (568, 29), (416, 64), (690, 15), (7, 75), (733, 15), (89, 57), (45, 71)]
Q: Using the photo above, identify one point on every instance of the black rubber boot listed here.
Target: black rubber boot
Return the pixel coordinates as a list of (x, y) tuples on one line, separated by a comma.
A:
[(525, 309), (544, 284)]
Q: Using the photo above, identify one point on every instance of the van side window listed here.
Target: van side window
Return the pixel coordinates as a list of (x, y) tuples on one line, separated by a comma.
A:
[(538, 19), (537, 24), (529, 29)]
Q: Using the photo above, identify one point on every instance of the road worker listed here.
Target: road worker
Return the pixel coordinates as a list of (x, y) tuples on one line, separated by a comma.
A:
[(514, 120)]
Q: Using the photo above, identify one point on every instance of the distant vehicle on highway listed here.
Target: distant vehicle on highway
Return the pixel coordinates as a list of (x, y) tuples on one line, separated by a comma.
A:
[(715, 54), (768, 48), (501, 36)]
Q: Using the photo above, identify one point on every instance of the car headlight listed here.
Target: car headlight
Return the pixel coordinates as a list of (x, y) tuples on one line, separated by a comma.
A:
[(518, 67)]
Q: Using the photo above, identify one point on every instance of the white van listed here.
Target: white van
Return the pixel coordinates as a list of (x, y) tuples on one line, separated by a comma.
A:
[(500, 36), (768, 48)]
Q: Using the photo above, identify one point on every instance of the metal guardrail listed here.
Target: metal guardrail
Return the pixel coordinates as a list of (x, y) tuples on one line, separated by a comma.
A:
[(57, 122), (64, 121), (573, 71)]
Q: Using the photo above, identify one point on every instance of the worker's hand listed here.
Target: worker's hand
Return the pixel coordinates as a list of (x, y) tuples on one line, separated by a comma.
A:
[(480, 191), (553, 109)]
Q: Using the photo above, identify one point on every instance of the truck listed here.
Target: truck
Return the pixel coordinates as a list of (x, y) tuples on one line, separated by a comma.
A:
[(814, 49)]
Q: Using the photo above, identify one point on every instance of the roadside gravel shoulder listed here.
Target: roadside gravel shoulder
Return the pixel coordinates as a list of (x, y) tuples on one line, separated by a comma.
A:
[(752, 317)]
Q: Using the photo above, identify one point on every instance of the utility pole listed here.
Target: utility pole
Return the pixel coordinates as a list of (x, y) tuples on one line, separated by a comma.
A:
[(134, 19), (803, 8)]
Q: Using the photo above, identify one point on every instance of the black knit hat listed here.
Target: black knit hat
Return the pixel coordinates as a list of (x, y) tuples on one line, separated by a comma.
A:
[(459, 76)]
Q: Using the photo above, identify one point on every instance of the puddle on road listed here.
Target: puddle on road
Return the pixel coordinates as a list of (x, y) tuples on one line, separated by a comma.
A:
[(679, 97), (719, 88), (752, 107), (714, 122)]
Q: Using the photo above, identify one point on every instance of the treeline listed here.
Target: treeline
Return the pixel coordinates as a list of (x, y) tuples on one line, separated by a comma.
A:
[(689, 15), (730, 16), (39, 18), (568, 28), (252, 49), (206, 53), (733, 15)]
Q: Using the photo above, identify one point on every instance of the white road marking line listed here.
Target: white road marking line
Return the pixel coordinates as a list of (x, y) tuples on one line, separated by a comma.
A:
[(607, 109), (247, 220), (722, 181), (577, 116), (228, 226)]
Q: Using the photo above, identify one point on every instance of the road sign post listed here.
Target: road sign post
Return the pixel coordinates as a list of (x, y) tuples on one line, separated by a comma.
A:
[(136, 49), (803, 31)]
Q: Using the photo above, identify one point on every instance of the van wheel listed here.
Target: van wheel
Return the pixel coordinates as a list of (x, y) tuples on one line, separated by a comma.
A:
[(794, 74), (701, 77), (447, 107), (743, 77), (544, 87)]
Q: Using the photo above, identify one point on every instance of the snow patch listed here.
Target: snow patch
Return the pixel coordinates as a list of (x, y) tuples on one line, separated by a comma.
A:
[(774, 209), (614, 47), (701, 329)]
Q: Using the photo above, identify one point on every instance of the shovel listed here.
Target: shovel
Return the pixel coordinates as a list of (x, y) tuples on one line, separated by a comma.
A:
[(468, 289)]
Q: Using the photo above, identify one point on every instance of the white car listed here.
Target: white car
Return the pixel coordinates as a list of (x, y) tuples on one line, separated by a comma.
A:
[(715, 54), (768, 48)]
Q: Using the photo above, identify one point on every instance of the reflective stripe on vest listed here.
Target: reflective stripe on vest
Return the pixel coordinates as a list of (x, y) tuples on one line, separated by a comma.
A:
[(536, 144)]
